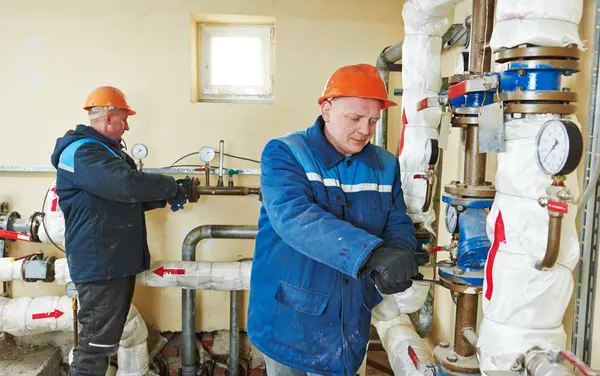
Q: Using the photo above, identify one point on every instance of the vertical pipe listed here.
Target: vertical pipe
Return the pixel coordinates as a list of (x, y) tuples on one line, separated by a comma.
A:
[(221, 153), (233, 334), (389, 55), (474, 167), (466, 316), (188, 314), (482, 24), (553, 245)]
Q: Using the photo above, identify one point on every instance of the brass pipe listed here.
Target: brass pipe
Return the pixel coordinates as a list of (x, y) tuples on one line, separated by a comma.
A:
[(75, 327), (553, 244), (474, 167), (227, 191), (482, 24), (466, 316), (431, 182), (207, 174)]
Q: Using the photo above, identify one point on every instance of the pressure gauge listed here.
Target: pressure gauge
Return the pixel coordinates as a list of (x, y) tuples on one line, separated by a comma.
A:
[(559, 147), (139, 151), (207, 154), (70, 290), (432, 151), (451, 219)]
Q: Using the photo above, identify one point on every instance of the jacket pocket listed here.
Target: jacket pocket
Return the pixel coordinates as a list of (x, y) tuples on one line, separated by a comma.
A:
[(302, 301)]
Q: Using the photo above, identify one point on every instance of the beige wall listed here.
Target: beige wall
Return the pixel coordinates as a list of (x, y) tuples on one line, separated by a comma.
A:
[(58, 51)]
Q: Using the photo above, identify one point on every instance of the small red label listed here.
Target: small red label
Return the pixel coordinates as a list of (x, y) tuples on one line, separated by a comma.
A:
[(559, 207), (457, 90), (413, 356), (435, 249), (422, 104), (14, 235)]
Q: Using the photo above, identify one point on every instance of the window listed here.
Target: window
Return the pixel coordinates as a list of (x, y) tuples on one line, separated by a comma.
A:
[(235, 62)]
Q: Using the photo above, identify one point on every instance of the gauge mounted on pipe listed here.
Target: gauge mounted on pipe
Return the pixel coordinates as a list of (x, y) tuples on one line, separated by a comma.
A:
[(432, 151), (139, 151), (451, 219), (559, 145), (207, 154), (70, 290)]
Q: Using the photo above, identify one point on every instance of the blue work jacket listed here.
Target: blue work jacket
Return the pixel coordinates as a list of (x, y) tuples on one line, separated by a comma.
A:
[(322, 215), (104, 198)]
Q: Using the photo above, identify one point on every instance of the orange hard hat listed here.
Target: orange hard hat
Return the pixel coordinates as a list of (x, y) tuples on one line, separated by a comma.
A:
[(362, 81), (108, 96)]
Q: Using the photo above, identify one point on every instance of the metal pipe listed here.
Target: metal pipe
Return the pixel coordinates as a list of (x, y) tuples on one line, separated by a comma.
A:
[(466, 317), (75, 326), (227, 191), (474, 167), (389, 55), (221, 155), (188, 253), (553, 245), (233, 335), (470, 336), (482, 24), (207, 174)]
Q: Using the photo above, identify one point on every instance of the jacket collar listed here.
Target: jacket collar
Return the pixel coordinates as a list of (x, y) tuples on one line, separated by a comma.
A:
[(92, 133), (331, 157)]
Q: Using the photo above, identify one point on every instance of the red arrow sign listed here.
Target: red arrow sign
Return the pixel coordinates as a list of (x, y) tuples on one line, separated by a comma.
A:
[(55, 314), (162, 271), (413, 356)]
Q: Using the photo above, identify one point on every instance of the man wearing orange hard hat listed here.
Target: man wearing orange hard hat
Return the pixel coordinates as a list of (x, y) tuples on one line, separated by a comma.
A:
[(103, 198), (333, 230)]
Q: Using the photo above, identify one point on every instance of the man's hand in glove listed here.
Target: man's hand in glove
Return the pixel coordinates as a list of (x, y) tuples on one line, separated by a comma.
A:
[(392, 269), (179, 199)]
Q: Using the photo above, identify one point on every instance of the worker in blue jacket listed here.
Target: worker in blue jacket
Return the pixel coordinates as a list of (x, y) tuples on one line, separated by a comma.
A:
[(333, 226), (104, 198)]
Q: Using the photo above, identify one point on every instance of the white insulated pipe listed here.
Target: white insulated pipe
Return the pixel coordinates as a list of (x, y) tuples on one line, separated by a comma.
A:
[(31, 316), (197, 275), (522, 306)]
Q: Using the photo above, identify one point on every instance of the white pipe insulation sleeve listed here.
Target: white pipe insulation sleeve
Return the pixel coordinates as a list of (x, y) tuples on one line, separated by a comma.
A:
[(396, 336), (199, 275), (133, 356), (522, 306), (52, 226), (26, 316), (10, 270), (548, 23), (425, 21), (61, 272)]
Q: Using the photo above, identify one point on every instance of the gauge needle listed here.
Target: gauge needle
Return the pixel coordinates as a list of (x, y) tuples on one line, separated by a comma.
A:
[(552, 148)]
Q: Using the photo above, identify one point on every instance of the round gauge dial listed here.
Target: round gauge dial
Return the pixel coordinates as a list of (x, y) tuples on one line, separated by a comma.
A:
[(451, 219), (559, 147), (432, 151), (139, 151), (70, 290), (207, 154)]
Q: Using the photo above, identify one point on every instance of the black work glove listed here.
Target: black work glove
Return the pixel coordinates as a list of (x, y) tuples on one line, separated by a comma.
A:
[(391, 268), (179, 199)]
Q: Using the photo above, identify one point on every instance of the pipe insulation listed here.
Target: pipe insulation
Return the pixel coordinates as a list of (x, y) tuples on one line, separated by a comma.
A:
[(425, 22), (522, 306), (31, 316), (197, 275), (52, 225)]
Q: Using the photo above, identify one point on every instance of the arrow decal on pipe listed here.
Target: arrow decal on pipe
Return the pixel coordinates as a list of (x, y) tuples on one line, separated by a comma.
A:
[(162, 271), (47, 315)]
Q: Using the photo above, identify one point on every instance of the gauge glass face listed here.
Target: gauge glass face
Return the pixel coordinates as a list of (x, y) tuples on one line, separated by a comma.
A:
[(552, 147), (139, 151), (70, 290), (207, 154), (451, 219)]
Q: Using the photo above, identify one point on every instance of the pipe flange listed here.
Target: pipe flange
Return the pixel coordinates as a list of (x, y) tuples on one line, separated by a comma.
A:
[(533, 53), (465, 120), (540, 108), (469, 111), (193, 194), (571, 66), (530, 95), (459, 189), (449, 359), (9, 219), (453, 285), (50, 273)]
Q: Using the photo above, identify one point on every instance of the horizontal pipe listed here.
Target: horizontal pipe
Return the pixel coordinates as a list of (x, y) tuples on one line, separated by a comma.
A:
[(226, 191), (215, 232)]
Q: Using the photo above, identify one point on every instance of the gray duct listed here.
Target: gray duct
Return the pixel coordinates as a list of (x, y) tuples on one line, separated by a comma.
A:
[(389, 55)]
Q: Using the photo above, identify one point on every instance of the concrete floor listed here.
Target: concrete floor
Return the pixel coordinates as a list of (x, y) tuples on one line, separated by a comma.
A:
[(28, 361)]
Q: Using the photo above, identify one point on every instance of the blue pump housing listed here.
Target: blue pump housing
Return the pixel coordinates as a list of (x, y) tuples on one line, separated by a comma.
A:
[(473, 243)]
